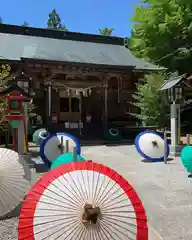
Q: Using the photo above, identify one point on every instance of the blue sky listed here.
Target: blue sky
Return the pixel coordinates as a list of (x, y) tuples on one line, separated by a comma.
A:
[(78, 15)]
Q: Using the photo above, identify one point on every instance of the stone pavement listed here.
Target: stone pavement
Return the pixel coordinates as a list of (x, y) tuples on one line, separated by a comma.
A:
[(164, 189)]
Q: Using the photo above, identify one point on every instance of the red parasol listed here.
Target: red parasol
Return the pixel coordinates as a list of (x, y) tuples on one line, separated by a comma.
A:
[(83, 200)]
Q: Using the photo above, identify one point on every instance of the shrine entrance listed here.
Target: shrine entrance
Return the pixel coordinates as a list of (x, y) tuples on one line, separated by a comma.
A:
[(76, 105), (69, 107)]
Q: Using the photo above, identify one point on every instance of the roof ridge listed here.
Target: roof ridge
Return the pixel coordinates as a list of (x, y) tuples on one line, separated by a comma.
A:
[(57, 34)]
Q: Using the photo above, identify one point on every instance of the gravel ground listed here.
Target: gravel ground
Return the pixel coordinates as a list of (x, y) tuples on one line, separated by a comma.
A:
[(164, 189), (8, 229)]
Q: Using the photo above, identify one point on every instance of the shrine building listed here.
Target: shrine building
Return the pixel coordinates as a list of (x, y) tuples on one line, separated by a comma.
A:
[(74, 76)]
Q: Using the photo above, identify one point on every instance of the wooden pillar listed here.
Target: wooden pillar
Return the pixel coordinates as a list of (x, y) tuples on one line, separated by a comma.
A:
[(119, 82), (49, 100), (70, 109), (49, 104), (58, 104), (106, 105), (80, 111)]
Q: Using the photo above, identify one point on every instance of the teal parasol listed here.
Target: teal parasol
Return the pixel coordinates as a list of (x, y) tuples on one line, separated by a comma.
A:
[(66, 158), (186, 158), (37, 135)]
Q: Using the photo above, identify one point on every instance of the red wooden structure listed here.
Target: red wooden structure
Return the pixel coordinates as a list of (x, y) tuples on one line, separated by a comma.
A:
[(16, 97)]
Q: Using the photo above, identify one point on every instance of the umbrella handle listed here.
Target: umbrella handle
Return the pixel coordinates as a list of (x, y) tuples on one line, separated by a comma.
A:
[(61, 146), (155, 144), (90, 214)]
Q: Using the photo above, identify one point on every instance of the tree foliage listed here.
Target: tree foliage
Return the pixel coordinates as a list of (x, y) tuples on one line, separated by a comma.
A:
[(1, 20), (54, 21), (106, 31), (25, 24), (152, 104), (162, 33), (4, 72)]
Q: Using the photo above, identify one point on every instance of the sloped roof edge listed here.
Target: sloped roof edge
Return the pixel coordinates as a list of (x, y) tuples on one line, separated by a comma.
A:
[(25, 42)]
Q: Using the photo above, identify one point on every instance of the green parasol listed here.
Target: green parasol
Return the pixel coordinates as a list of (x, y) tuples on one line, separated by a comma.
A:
[(186, 158), (66, 158), (36, 135), (112, 134)]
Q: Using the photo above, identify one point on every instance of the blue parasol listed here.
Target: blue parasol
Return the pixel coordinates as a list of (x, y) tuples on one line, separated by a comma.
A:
[(150, 146), (55, 145)]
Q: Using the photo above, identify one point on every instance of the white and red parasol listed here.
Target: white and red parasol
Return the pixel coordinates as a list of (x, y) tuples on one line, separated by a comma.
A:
[(84, 200)]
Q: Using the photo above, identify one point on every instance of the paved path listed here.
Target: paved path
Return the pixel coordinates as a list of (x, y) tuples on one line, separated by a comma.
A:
[(165, 189)]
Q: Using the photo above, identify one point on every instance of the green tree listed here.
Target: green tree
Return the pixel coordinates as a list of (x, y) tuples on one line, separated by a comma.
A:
[(106, 31), (25, 24), (1, 20), (162, 32), (4, 72), (152, 104), (54, 21)]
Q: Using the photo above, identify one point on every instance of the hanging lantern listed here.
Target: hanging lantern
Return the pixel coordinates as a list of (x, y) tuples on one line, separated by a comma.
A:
[(175, 94), (178, 93)]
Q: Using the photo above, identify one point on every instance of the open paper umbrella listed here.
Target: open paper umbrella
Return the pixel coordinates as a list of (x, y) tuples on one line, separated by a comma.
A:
[(13, 185), (83, 200), (66, 158), (186, 158), (112, 134), (39, 135), (42, 136), (55, 145), (150, 146)]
